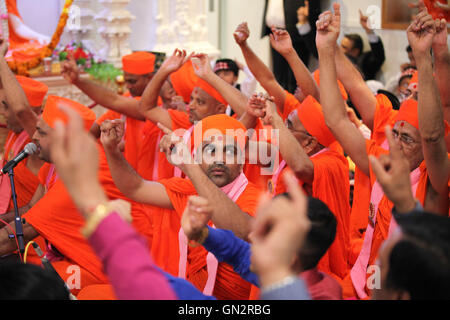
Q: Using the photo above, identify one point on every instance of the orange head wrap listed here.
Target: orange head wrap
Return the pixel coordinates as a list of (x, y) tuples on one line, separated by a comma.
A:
[(344, 94), (310, 114), (205, 86), (52, 112), (220, 124), (34, 90), (408, 113), (414, 82), (184, 81), (139, 63)]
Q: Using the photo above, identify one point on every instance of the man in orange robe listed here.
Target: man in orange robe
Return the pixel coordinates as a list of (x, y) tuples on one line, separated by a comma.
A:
[(306, 147), (22, 99), (219, 180), (424, 147)]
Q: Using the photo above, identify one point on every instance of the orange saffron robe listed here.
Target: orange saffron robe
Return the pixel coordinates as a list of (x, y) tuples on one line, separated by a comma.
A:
[(229, 285)]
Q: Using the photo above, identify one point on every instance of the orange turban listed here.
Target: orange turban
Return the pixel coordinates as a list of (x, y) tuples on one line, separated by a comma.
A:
[(310, 114), (184, 80), (139, 63), (205, 86), (34, 90), (408, 112), (220, 124), (414, 82), (52, 112), (344, 94)]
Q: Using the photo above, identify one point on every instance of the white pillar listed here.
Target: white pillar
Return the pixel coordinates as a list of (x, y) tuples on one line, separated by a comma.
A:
[(115, 29), (182, 24)]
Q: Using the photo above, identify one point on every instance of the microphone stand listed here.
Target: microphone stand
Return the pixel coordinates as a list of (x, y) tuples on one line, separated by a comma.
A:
[(17, 219)]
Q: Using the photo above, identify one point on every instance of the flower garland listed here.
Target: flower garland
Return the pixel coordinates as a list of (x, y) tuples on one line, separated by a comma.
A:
[(4, 20), (22, 68)]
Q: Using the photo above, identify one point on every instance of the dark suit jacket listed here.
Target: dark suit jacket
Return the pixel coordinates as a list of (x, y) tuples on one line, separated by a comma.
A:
[(290, 14)]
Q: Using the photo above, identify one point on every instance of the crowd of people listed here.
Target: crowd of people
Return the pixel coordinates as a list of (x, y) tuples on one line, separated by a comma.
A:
[(194, 187)]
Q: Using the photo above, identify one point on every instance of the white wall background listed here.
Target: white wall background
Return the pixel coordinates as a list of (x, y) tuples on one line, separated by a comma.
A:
[(223, 18)]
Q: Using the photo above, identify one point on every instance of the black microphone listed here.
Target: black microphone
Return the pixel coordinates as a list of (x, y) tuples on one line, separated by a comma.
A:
[(29, 149)]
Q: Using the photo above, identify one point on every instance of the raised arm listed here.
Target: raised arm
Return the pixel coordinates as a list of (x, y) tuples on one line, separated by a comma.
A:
[(15, 97), (291, 150), (431, 119), (124, 176), (442, 65), (261, 72), (328, 28), (282, 43), (100, 94), (235, 98), (148, 104)]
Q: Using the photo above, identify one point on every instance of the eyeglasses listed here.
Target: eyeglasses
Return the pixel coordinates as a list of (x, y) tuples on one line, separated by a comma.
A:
[(403, 138)]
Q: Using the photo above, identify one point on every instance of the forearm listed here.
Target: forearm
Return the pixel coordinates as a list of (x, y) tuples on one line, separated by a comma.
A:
[(331, 100), (109, 99), (431, 120), (227, 214), (9, 245), (149, 99), (293, 153), (248, 120), (335, 113), (264, 75), (359, 92), (442, 76), (302, 75), (236, 99), (124, 176), (9, 216), (431, 126), (16, 98)]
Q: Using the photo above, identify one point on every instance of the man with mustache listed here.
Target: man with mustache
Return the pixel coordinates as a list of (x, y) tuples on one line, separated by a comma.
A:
[(219, 144)]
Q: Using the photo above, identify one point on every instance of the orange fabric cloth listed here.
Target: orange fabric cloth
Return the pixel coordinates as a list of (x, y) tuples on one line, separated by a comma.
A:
[(56, 218), (180, 120), (220, 124), (344, 93), (97, 292), (139, 63), (133, 137), (381, 230), (34, 90), (436, 12), (205, 86), (184, 81), (408, 112), (52, 112), (228, 284), (310, 114), (384, 115), (331, 185)]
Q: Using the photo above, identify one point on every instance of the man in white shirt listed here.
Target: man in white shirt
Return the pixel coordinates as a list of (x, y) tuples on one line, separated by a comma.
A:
[(299, 18)]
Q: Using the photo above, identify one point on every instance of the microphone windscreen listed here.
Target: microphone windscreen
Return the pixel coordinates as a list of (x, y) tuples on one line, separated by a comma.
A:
[(30, 148)]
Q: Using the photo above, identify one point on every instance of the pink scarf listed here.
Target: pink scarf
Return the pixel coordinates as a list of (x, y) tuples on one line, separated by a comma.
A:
[(5, 185), (359, 270), (233, 191)]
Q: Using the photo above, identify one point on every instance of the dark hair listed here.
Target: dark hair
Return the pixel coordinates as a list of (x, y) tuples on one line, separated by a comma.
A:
[(357, 41), (408, 48), (420, 262), (320, 236), (231, 65), (20, 281)]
